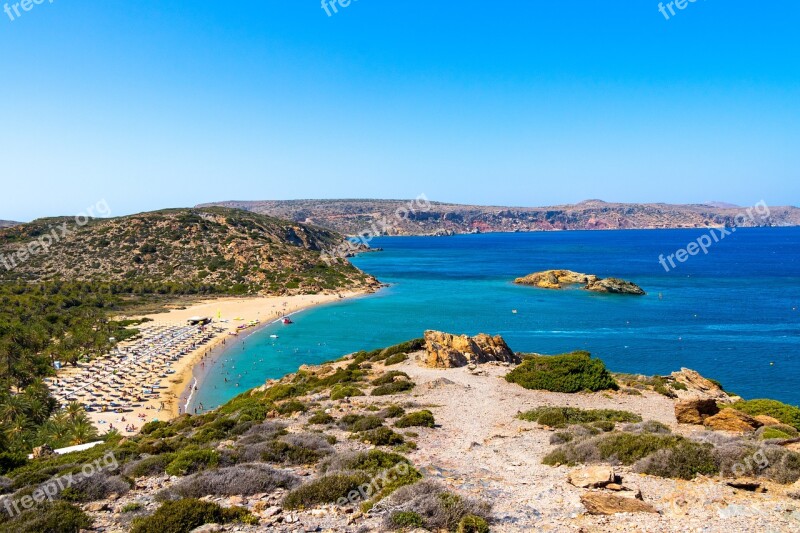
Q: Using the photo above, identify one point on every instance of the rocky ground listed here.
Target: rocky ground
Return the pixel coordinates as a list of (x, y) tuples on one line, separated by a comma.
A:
[(480, 449)]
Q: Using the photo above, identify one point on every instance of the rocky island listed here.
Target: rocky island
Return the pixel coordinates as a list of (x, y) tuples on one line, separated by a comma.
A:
[(559, 279)]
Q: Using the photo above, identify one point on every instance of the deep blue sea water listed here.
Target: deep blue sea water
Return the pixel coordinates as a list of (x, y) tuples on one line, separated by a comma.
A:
[(728, 314)]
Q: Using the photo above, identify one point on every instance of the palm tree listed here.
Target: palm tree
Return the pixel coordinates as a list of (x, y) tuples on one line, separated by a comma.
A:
[(74, 410), (83, 431)]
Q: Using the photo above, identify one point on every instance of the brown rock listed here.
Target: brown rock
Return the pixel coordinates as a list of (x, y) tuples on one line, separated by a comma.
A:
[(555, 279), (592, 477), (699, 387), (96, 507), (732, 420), (768, 420), (444, 350), (43, 451), (695, 411), (615, 286), (607, 504)]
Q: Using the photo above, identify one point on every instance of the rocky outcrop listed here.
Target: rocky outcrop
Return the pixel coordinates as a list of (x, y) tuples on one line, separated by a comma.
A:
[(732, 420), (555, 279), (699, 387), (443, 350), (592, 477), (695, 411), (614, 286), (559, 279), (598, 503)]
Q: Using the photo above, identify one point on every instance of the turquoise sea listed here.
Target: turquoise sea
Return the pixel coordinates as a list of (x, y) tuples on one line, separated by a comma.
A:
[(731, 314)]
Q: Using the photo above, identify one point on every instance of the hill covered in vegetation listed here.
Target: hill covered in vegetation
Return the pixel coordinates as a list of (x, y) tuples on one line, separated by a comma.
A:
[(212, 250)]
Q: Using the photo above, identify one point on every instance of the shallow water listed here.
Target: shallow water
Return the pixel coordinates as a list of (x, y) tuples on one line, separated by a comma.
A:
[(728, 314)]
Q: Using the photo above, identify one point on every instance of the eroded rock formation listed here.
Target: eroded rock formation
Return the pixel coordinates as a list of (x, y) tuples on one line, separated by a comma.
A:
[(443, 350)]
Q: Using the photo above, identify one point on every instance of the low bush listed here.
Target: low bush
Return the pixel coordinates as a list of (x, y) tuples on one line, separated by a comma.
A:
[(347, 391), (185, 515), (559, 417), (772, 432), (356, 423), (625, 448), (405, 519), (382, 436), (438, 508), (300, 449), (418, 419), (292, 406), (390, 377), (392, 411), (51, 517), (132, 507), (153, 465), (788, 414), (395, 387), (570, 373), (242, 480), (473, 524), (321, 418), (191, 460), (396, 359), (326, 489), (651, 426), (96, 487), (684, 461)]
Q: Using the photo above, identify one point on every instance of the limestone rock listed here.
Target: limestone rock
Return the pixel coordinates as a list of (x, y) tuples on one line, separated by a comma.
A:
[(592, 477), (555, 279), (699, 387), (768, 420), (444, 350), (695, 411), (43, 451), (558, 279), (208, 528), (607, 504), (732, 420), (615, 286)]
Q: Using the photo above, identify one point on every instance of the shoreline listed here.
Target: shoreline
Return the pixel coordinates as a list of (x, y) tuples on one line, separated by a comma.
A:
[(175, 398)]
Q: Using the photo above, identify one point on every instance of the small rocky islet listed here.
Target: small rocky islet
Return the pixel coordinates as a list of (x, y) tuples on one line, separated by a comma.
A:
[(560, 279)]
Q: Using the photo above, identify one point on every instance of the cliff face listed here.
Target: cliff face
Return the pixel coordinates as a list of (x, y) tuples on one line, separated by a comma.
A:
[(353, 216)]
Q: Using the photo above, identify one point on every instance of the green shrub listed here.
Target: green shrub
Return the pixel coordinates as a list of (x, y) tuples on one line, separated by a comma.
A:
[(278, 451), (292, 406), (389, 377), (625, 448), (355, 423), (191, 460), (788, 414), (406, 519), (418, 419), (684, 461), (572, 372), (326, 489), (774, 433), (185, 515), (132, 507), (382, 436), (396, 359), (11, 461), (347, 391), (559, 417), (54, 517), (473, 524), (393, 411), (393, 388), (321, 418)]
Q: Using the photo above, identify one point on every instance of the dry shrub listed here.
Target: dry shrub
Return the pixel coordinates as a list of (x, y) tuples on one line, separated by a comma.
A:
[(438, 508), (244, 480)]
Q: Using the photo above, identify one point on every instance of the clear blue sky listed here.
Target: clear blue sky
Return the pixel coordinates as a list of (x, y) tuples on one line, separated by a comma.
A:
[(151, 104)]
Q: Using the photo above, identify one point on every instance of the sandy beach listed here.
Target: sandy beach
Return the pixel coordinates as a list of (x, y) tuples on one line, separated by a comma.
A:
[(191, 345)]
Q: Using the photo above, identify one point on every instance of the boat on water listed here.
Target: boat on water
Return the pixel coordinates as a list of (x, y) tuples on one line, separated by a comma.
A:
[(273, 336), (286, 321)]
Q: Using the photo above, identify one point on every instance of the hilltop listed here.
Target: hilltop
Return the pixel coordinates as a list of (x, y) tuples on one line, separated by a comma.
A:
[(8, 223), (402, 439), (211, 250), (353, 216)]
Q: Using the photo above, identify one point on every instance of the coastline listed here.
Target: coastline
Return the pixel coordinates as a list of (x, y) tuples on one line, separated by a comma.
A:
[(266, 309)]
